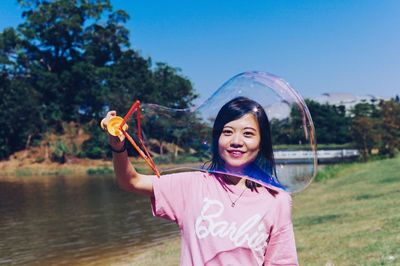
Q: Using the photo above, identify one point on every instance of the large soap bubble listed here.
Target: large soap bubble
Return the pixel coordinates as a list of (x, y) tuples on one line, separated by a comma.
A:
[(183, 137)]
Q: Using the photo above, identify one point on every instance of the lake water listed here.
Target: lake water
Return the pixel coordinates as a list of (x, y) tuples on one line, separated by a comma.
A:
[(79, 220), (74, 220)]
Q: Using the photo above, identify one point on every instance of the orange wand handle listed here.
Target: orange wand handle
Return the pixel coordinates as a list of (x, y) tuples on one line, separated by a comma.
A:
[(139, 120), (134, 107), (147, 159)]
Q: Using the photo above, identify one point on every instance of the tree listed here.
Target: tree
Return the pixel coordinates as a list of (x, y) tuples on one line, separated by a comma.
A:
[(71, 61), (330, 121), (10, 52), (390, 127), (365, 109), (68, 49), (365, 135), (171, 89), (331, 124), (130, 79), (20, 120), (365, 128)]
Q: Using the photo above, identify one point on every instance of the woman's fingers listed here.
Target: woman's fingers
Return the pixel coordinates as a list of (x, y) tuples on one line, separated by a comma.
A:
[(103, 124), (111, 113), (113, 141), (104, 121), (121, 137)]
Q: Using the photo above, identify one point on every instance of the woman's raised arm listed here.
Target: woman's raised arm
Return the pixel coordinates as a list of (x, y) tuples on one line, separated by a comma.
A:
[(128, 178)]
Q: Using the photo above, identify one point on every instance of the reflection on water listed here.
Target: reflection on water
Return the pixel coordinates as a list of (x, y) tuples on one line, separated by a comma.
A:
[(74, 220), (295, 176)]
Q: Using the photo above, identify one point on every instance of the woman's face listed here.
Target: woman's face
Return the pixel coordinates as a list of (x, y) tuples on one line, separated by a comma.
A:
[(239, 143)]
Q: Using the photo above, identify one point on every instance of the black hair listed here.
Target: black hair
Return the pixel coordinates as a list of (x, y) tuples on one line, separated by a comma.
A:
[(233, 110)]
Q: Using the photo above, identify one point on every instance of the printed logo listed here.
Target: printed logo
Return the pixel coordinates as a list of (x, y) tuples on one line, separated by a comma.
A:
[(251, 233)]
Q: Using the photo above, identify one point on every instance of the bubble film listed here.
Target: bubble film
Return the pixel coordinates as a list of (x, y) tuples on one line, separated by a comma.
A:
[(182, 139)]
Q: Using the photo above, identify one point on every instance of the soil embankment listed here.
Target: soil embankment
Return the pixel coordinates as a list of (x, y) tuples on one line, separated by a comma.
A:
[(23, 163)]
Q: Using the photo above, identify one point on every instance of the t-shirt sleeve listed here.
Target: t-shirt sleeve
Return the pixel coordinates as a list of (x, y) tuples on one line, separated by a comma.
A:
[(281, 249), (171, 194)]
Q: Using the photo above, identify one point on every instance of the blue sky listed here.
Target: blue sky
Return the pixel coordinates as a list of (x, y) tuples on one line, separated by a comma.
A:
[(317, 46)]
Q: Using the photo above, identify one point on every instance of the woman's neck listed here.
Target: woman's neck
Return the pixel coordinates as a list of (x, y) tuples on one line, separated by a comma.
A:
[(235, 180)]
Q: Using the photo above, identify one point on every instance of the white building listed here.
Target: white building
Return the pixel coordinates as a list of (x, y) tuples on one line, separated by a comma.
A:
[(348, 100)]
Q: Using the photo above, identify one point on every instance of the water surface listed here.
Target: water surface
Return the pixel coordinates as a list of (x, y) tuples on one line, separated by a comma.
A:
[(74, 220), (78, 220)]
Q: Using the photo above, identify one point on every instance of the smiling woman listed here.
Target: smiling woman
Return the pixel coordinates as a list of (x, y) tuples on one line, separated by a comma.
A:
[(225, 219), (242, 141)]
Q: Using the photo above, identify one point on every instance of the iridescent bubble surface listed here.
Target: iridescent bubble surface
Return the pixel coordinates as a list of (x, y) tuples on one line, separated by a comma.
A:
[(183, 137)]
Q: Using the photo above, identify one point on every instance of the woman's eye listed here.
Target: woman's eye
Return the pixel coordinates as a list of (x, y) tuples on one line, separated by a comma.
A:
[(226, 132), (248, 134)]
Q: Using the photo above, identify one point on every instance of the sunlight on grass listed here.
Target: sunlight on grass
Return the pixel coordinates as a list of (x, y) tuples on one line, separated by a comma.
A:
[(352, 217)]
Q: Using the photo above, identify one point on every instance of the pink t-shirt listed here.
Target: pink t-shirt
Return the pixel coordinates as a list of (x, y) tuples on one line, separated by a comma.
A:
[(258, 230)]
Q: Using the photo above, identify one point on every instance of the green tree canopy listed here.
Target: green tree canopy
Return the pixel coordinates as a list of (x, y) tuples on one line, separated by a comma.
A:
[(72, 61), (390, 127)]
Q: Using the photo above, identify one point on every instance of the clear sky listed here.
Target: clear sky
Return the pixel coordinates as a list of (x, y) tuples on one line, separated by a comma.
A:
[(317, 46)]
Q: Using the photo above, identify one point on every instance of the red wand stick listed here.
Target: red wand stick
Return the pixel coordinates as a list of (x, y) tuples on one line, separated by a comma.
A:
[(117, 126)]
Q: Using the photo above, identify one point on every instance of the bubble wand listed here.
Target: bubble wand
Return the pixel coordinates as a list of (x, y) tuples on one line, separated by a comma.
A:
[(117, 126)]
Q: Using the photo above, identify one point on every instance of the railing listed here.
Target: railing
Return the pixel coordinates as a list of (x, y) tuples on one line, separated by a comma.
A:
[(322, 155)]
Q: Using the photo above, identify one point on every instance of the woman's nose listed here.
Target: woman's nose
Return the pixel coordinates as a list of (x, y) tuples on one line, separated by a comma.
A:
[(236, 140)]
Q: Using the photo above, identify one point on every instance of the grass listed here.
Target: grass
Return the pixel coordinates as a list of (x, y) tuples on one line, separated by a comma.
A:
[(351, 217), (25, 172), (332, 171), (102, 170), (165, 254)]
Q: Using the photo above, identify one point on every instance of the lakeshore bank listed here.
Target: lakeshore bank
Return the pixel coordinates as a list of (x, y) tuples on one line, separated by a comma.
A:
[(76, 166)]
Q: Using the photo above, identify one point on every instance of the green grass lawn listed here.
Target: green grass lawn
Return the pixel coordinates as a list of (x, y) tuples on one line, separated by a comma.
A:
[(352, 218)]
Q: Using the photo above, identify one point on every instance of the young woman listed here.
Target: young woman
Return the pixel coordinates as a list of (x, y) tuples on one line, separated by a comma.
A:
[(224, 219)]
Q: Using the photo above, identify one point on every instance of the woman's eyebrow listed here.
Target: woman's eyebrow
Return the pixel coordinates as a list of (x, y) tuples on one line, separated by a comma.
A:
[(252, 128)]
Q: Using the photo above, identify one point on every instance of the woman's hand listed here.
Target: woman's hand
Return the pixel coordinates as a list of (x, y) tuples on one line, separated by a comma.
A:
[(127, 177), (116, 143)]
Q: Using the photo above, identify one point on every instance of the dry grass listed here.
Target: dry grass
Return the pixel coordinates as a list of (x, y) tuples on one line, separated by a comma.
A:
[(19, 165), (165, 254)]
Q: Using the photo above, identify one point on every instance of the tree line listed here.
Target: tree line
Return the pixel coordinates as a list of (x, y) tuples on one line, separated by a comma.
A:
[(368, 127), (69, 62)]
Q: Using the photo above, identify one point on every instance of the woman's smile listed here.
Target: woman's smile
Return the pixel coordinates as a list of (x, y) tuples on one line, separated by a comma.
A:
[(236, 153)]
